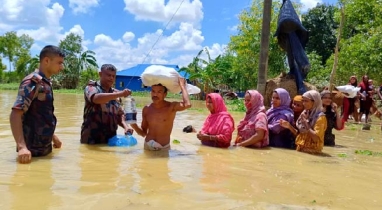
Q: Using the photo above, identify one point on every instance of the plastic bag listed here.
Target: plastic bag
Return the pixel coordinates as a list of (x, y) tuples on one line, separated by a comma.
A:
[(349, 89), (166, 76), (122, 141)]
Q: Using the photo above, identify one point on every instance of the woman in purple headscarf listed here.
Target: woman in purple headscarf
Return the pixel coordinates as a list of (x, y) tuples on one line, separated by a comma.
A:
[(280, 110)]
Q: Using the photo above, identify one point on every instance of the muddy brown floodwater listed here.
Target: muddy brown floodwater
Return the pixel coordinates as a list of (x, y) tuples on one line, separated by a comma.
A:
[(192, 177)]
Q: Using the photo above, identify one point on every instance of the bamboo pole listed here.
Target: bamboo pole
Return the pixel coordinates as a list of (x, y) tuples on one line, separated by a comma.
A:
[(335, 64)]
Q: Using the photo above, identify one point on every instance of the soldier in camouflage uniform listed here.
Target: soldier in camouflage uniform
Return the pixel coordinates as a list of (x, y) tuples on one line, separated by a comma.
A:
[(102, 112), (32, 118)]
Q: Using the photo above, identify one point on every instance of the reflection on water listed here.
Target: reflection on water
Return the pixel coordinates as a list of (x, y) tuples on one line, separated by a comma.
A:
[(190, 176)]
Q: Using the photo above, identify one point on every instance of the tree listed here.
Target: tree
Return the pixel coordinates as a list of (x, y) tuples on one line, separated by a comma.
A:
[(10, 44), (23, 56), (205, 73), (246, 45), (75, 62), (361, 47), (321, 24)]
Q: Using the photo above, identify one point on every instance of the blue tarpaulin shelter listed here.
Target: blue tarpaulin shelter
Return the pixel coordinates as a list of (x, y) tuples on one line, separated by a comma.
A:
[(131, 77)]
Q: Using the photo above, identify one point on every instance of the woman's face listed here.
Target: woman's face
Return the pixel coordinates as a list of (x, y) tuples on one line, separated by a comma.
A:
[(247, 101), (308, 103), (326, 100), (209, 104), (276, 100), (365, 79), (352, 80), (297, 106)]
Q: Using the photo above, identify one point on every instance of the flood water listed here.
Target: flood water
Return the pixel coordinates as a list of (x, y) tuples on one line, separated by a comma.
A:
[(192, 177)]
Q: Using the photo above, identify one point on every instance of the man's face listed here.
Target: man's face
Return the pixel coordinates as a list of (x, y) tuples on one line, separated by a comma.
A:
[(158, 93), (54, 64), (107, 77)]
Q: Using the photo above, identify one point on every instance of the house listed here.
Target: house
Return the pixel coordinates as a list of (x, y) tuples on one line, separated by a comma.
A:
[(131, 77)]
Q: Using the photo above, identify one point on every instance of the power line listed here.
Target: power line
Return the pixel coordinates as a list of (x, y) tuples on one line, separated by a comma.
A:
[(163, 30)]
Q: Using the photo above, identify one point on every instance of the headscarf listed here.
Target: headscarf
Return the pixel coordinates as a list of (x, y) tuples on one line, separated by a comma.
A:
[(255, 106), (363, 85), (298, 98), (314, 113), (213, 123), (355, 83), (323, 93), (284, 107)]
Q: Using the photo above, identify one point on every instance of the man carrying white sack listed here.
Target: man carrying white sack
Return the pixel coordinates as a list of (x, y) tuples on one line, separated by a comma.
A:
[(158, 117)]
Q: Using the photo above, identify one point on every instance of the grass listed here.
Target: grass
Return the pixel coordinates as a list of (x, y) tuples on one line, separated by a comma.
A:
[(368, 152), (9, 86)]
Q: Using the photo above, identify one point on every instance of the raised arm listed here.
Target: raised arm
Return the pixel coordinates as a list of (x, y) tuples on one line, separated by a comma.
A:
[(103, 98), (186, 103)]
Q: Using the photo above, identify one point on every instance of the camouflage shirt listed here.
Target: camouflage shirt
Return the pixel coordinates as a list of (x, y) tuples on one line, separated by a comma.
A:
[(100, 120), (35, 98)]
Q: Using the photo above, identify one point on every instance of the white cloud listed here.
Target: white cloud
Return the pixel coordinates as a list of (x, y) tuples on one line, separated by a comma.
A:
[(308, 4), (128, 36), (38, 18), (47, 31), (32, 13), (159, 11), (123, 55), (41, 20), (82, 6)]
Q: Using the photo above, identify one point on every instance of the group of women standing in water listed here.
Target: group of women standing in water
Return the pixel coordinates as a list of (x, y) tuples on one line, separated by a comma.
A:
[(304, 124)]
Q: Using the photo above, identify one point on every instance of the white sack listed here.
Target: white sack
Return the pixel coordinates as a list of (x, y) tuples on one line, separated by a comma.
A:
[(166, 76), (349, 89)]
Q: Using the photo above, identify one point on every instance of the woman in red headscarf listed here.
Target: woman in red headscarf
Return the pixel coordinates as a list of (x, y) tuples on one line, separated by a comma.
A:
[(366, 94), (218, 127)]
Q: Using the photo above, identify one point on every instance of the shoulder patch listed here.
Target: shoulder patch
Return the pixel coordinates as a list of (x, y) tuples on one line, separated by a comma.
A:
[(36, 78)]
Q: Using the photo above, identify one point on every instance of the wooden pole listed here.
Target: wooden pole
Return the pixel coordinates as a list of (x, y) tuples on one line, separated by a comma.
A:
[(264, 47), (335, 64)]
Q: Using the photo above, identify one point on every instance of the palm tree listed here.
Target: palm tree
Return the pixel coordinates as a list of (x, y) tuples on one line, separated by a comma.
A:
[(74, 65), (208, 73)]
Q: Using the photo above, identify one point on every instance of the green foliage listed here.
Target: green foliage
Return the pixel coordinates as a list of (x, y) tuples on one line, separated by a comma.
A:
[(175, 141), (9, 45), (210, 74), (89, 74), (367, 152), (360, 51), (321, 24), (236, 105), (246, 46), (318, 74), (76, 61), (343, 155)]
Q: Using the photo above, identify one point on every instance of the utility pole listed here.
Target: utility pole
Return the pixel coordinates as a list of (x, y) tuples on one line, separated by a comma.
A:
[(264, 47)]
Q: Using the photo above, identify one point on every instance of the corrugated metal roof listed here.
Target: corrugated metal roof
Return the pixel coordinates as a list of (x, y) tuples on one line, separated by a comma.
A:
[(137, 70)]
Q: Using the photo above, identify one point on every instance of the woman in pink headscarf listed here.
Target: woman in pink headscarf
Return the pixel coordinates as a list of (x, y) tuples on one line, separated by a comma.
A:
[(252, 131), (218, 127)]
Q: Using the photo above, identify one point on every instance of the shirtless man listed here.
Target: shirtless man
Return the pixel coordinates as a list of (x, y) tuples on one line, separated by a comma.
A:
[(158, 117)]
